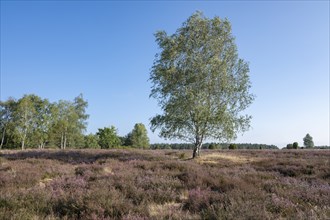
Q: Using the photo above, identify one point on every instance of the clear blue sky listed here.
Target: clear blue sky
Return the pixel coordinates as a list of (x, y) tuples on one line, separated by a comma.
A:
[(105, 49)]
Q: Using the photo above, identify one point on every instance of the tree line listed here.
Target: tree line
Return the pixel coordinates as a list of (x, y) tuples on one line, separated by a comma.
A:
[(34, 122), (183, 146), (308, 143), (107, 137)]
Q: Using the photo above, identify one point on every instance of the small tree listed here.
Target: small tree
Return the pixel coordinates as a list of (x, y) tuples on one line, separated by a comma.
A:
[(127, 140), (289, 146), (6, 118), (295, 145), (139, 136), (212, 146), (25, 119), (91, 141), (232, 146), (108, 137), (308, 141)]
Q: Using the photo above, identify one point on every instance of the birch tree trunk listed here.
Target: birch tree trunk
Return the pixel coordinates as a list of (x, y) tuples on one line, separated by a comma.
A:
[(23, 143), (24, 138), (3, 137), (62, 140), (197, 147), (65, 138)]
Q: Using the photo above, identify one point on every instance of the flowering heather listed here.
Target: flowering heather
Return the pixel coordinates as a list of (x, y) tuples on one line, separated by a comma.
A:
[(164, 184)]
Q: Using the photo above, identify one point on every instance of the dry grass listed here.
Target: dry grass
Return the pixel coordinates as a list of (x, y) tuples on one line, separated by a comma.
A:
[(215, 158)]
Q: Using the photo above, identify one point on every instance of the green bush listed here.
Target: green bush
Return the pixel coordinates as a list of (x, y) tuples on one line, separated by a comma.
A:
[(289, 146), (295, 145), (212, 146), (232, 146)]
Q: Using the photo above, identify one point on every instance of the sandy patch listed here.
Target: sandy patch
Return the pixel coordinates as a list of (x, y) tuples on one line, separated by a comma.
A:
[(160, 209), (215, 157), (108, 170)]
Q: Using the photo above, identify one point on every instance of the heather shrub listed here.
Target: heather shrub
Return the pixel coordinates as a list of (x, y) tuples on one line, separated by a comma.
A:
[(190, 179), (198, 199), (219, 183), (173, 166), (136, 184), (71, 207), (326, 176), (182, 156)]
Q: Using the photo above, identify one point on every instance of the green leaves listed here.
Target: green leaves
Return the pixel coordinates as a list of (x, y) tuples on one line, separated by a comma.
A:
[(308, 141), (139, 136), (108, 137), (199, 82), (32, 121)]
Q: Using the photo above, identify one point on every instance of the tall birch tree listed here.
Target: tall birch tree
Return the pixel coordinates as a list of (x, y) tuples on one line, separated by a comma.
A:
[(6, 118), (43, 123), (201, 84), (24, 118)]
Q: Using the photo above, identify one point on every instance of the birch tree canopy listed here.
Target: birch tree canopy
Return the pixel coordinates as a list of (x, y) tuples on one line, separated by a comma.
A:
[(200, 83)]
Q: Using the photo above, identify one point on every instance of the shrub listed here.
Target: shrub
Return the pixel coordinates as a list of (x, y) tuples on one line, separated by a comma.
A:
[(182, 156), (232, 146), (212, 146), (198, 200), (289, 146), (295, 145), (136, 184)]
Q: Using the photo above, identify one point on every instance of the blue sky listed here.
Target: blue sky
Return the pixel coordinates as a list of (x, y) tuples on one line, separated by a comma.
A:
[(105, 49)]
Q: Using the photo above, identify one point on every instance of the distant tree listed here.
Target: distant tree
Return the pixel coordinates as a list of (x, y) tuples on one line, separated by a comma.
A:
[(80, 106), (200, 83), (108, 137), (289, 146), (212, 146), (80, 123), (64, 122), (6, 118), (139, 136), (24, 118), (232, 146), (295, 145), (308, 141), (127, 140), (91, 141), (43, 122), (32, 122), (69, 122)]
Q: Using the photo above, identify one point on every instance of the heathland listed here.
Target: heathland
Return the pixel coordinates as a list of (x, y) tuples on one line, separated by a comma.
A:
[(164, 184)]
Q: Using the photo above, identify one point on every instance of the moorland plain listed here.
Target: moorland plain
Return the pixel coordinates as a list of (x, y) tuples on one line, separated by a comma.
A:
[(164, 184)]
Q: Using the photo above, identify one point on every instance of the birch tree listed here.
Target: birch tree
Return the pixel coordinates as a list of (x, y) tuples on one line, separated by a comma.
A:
[(6, 118), (61, 112), (200, 83), (24, 118), (70, 122), (43, 122)]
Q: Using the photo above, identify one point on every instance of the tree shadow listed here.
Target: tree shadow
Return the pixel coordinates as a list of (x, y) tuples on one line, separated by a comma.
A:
[(80, 156)]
